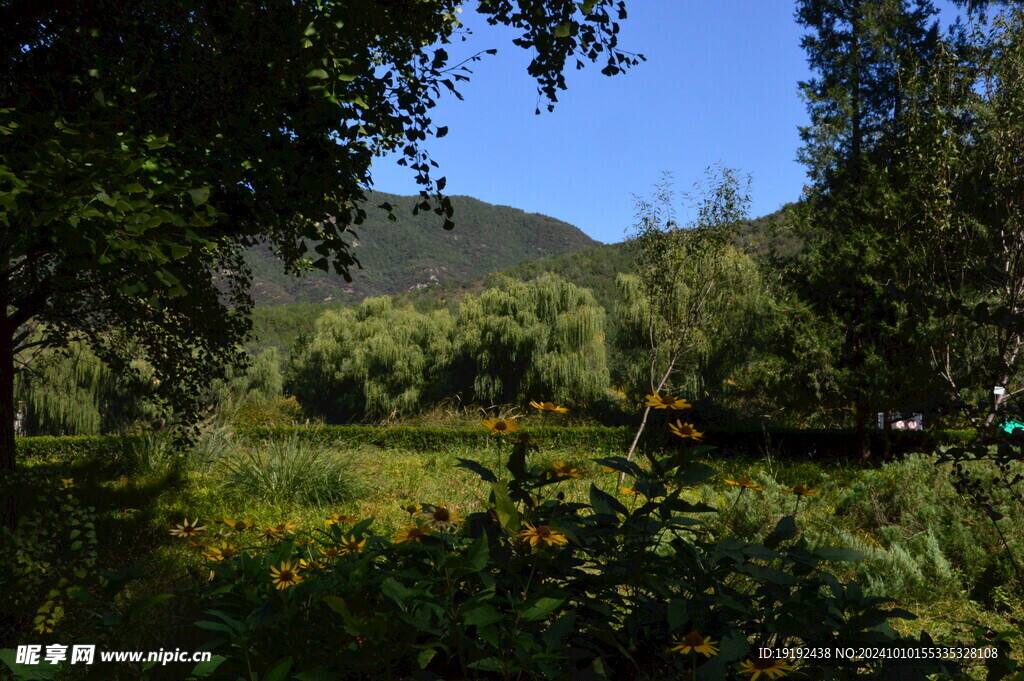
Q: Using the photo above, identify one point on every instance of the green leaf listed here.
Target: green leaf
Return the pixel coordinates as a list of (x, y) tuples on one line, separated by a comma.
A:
[(482, 616), (488, 664), (319, 74), (208, 667), (678, 612), (541, 608), (485, 473), (563, 30), (560, 629), (279, 671), (395, 591), (508, 514), (28, 672), (604, 503), (786, 528), (199, 195)]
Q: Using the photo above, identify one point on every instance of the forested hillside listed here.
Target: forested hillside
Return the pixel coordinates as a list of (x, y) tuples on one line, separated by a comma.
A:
[(414, 251)]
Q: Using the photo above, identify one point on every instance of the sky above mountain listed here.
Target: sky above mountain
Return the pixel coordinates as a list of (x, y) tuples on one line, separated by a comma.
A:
[(719, 87)]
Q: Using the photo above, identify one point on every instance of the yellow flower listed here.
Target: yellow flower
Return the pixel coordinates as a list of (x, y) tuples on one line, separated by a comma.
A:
[(239, 526), (744, 482), (67, 482), (225, 551), (188, 528), (542, 534), (351, 545), (685, 430), (628, 490), (695, 643), (773, 669), (801, 491), (276, 533), (441, 517), (564, 470), (336, 519), (548, 406), (501, 426), (659, 401), (411, 534), (331, 552), (303, 564), (411, 508), (285, 575)]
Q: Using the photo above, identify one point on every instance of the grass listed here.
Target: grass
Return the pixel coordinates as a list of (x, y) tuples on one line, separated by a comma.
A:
[(924, 544)]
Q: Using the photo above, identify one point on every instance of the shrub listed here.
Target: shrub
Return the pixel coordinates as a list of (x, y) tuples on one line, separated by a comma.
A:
[(293, 470), (533, 587)]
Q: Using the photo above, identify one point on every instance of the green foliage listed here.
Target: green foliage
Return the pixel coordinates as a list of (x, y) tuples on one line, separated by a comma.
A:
[(52, 553), (376, 360), (292, 469), (539, 339), (534, 587)]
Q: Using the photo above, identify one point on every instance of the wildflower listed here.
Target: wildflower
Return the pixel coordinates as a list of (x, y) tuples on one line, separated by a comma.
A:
[(441, 517), (411, 508), (411, 534), (225, 551), (685, 430), (548, 406), (801, 491), (564, 470), (188, 528), (285, 575), (659, 401), (628, 490), (542, 534), (239, 526), (336, 519), (311, 563), (351, 545), (276, 533), (773, 669), (744, 482), (695, 643), (501, 426), (67, 482)]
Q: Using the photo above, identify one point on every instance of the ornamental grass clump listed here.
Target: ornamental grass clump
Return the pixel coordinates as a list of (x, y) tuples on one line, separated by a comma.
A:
[(293, 470), (529, 586)]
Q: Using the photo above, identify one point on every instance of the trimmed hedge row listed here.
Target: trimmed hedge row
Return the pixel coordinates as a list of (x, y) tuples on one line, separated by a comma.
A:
[(795, 443)]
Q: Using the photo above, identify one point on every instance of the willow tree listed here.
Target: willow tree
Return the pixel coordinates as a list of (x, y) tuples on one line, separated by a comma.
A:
[(376, 360), (531, 340), (682, 273)]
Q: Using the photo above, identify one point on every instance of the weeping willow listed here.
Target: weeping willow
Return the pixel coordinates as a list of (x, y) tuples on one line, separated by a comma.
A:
[(542, 339), (376, 360), (72, 392)]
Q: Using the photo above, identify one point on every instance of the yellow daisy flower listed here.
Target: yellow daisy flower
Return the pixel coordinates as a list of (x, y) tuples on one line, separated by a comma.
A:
[(351, 545), (331, 552), (441, 517), (411, 508), (773, 669), (285, 575), (67, 482), (188, 528), (628, 490), (563, 470), (501, 426), (225, 551), (548, 406), (336, 519), (237, 526), (685, 430), (542, 534), (411, 534), (744, 482), (695, 643), (659, 401), (801, 491)]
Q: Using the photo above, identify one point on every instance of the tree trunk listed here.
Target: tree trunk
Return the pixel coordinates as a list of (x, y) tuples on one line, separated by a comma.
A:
[(863, 433), (8, 511)]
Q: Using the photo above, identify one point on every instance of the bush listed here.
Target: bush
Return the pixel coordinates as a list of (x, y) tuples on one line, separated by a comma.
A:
[(532, 587), (277, 411), (293, 470)]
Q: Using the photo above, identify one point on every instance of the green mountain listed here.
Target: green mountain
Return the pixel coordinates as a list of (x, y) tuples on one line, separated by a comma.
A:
[(414, 252)]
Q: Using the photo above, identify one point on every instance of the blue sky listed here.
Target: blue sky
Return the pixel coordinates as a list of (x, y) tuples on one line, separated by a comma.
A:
[(719, 86)]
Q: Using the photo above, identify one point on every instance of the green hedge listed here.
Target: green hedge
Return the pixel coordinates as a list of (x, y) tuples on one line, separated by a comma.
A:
[(794, 443), (75, 447)]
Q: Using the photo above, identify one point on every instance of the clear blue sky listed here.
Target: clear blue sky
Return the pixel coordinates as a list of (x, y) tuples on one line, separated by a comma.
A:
[(719, 86)]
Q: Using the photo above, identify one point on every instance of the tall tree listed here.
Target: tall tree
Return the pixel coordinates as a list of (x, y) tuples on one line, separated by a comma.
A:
[(144, 145), (853, 217)]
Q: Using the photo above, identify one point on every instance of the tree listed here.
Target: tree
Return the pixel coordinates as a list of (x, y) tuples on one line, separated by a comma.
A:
[(538, 340), (855, 213), (144, 146), (681, 272)]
